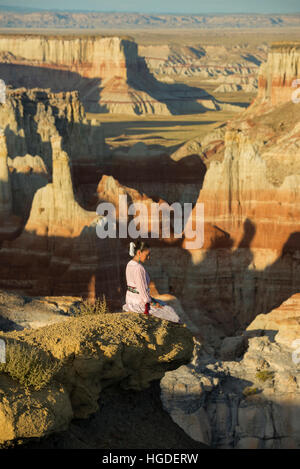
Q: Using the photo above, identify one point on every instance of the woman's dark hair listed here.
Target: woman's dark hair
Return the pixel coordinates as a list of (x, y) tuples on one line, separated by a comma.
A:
[(137, 245)]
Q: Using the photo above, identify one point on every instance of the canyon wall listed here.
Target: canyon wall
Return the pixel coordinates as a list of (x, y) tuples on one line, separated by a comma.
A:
[(249, 263), (89, 56), (246, 173), (276, 75), (253, 196), (108, 73), (31, 117)]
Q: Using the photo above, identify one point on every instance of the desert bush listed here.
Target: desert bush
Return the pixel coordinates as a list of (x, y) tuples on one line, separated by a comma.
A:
[(29, 366), (87, 307), (264, 375)]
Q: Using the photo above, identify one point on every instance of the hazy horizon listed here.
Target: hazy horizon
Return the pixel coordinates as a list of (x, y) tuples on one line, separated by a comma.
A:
[(192, 7)]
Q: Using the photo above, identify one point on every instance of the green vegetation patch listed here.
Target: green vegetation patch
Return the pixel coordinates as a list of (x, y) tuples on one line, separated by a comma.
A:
[(264, 375), (250, 391)]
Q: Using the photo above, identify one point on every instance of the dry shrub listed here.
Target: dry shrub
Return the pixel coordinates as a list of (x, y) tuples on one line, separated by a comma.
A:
[(87, 307), (31, 367)]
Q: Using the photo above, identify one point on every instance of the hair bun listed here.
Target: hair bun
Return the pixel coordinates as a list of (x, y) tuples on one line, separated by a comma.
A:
[(132, 249)]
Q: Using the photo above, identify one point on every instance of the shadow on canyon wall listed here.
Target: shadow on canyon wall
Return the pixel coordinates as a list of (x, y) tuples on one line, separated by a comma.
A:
[(179, 98), (29, 76), (228, 288), (93, 267), (169, 94), (225, 286), (189, 170), (36, 138)]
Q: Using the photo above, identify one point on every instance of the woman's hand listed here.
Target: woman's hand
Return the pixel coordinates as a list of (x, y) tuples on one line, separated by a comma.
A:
[(155, 303)]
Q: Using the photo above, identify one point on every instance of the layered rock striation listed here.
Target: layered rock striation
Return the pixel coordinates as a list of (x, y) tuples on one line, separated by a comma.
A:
[(58, 237), (30, 117), (249, 263), (277, 77), (107, 71), (9, 223)]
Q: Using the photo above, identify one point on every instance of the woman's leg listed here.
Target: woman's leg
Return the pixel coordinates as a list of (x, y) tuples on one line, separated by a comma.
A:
[(165, 312)]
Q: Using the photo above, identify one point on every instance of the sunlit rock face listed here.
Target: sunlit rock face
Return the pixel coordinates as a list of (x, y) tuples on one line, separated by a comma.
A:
[(89, 56), (55, 238), (30, 117), (277, 74), (246, 173), (249, 263), (9, 223), (108, 73)]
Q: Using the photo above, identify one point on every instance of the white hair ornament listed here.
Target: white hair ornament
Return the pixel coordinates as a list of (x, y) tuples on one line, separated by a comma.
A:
[(131, 249)]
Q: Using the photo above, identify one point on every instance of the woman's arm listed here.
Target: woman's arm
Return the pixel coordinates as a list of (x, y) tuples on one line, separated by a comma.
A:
[(156, 303), (141, 284)]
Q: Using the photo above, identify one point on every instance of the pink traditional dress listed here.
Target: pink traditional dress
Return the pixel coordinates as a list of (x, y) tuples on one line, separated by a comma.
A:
[(138, 298)]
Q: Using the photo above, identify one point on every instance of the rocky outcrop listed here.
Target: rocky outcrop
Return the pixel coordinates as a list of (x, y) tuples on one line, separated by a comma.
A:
[(9, 224), (56, 218), (276, 76), (31, 117), (285, 319), (92, 353), (209, 63), (18, 312), (250, 193), (247, 394), (89, 56), (230, 87)]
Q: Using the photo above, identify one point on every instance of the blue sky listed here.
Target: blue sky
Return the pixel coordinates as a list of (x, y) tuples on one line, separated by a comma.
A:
[(170, 6)]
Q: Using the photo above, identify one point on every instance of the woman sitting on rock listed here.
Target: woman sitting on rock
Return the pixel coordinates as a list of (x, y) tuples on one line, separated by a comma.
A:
[(138, 298)]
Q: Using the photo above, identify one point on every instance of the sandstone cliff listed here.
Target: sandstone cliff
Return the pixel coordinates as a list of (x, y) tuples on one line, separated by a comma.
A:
[(30, 117), (56, 238), (247, 175), (108, 73), (249, 263), (276, 76), (9, 223)]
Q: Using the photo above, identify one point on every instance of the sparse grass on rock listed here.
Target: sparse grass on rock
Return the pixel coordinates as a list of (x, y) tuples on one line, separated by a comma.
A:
[(264, 375), (86, 307), (31, 367)]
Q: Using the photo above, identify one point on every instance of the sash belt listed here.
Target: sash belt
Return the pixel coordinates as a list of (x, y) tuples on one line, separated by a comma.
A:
[(147, 305)]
